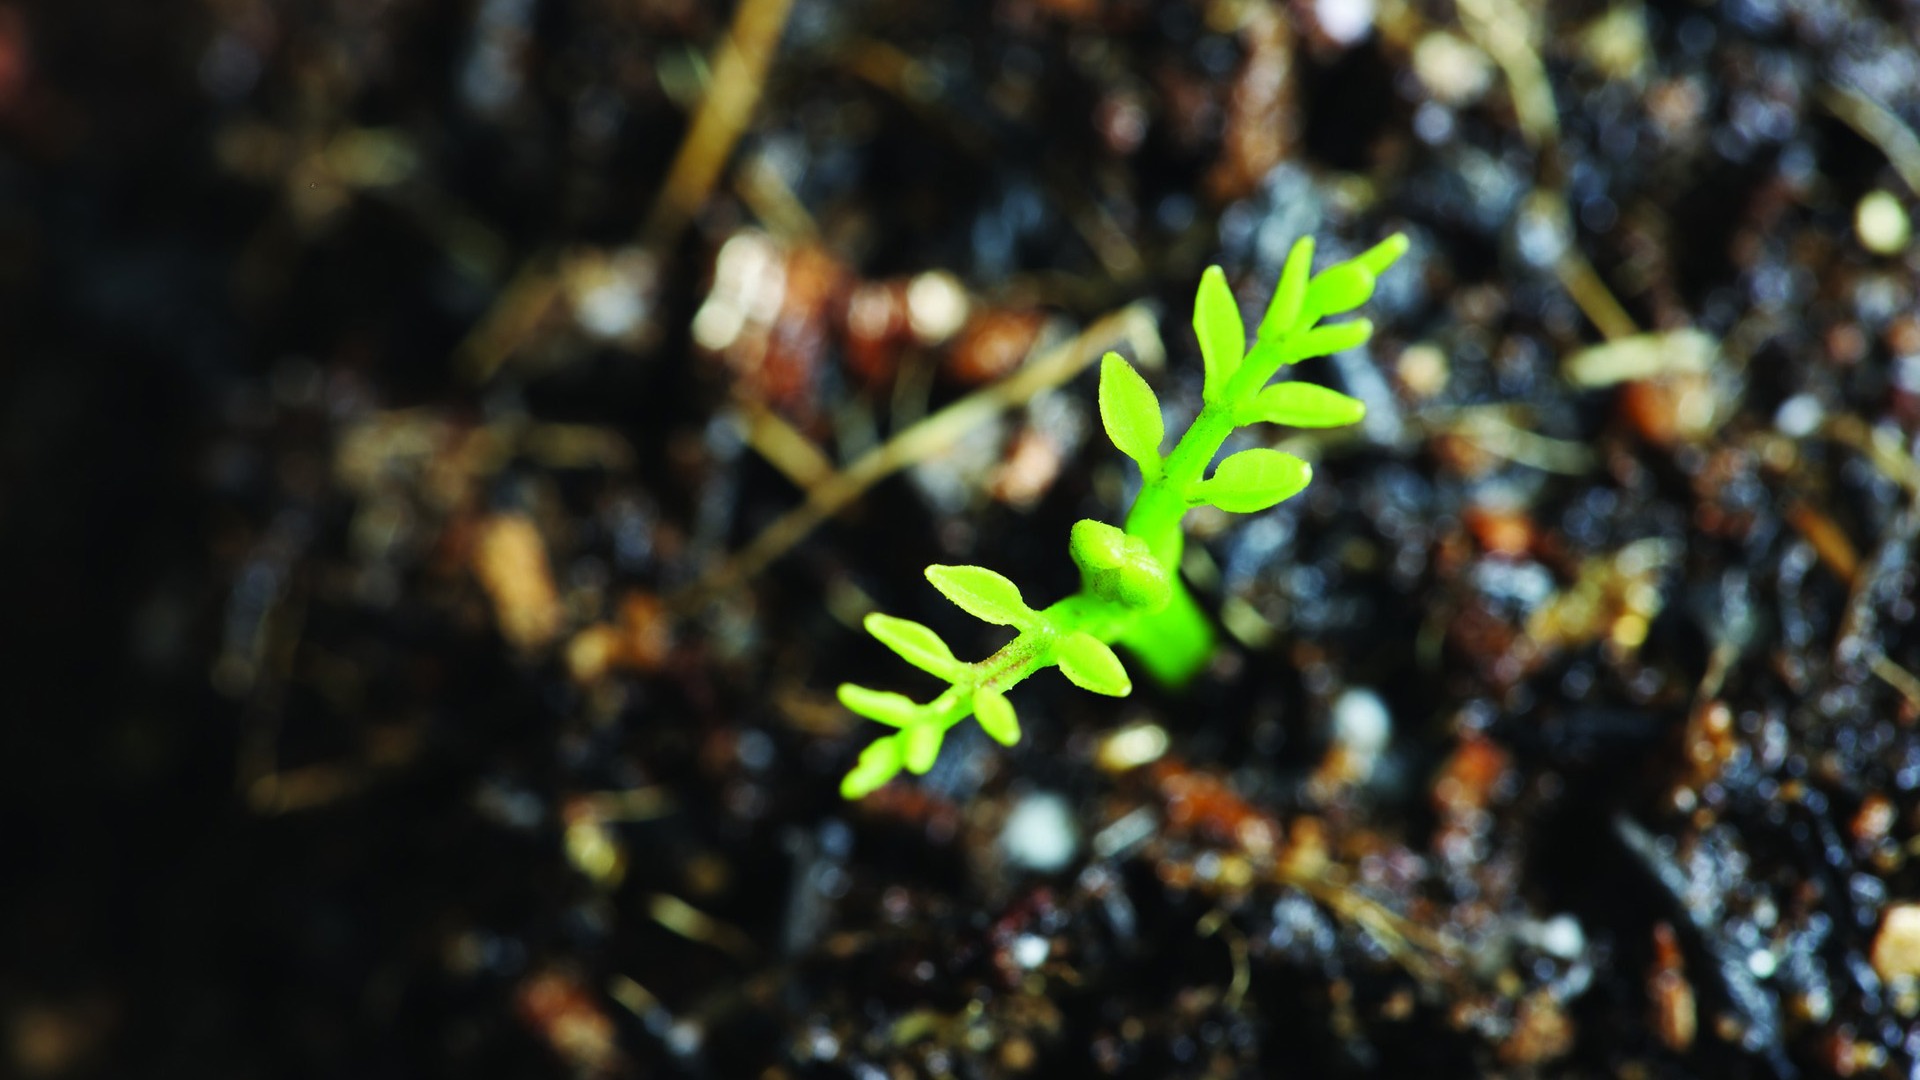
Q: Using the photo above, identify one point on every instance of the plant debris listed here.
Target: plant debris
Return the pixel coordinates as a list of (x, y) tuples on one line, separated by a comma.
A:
[(451, 448)]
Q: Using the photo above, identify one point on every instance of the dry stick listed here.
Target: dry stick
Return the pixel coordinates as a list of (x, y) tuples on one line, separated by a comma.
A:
[(1885, 453), (1878, 125), (910, 82), (784, 446), (1583, 282), (1897, 677), (1490, 428), (1499, 26), (1217, 923), (695, 925), (739, 74), (1419, 950), (515, 313), (769, 198), (1881, 449), (917, 443)]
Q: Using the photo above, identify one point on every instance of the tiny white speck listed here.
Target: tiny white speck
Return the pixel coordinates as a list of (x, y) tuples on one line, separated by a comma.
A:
[(1040, 834), (1906, 373), (1345, 21), (936, 306), (718, 322), (1361, 723), (1562, 937), (1030, 951), (684, 1038), (610, 309), (1799, 416), (1882, 224)]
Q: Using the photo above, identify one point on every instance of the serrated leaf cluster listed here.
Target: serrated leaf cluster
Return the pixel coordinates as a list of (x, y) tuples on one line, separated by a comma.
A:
[(1130, 576)]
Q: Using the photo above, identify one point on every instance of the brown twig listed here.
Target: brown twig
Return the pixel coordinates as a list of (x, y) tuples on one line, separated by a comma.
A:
[(739, 75), (917, 443), (1878, 125), (1505, 29)]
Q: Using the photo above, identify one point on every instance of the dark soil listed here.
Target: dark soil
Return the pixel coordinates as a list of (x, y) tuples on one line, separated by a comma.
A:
[(388, 694)]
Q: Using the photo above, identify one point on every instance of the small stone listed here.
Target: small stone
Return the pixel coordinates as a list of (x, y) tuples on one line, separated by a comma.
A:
[(1799, 416), (937, 307), (1031, 950), (1040, 834), (1456, 72), (1882, 224), (1896, 949), (1345, 21), (1423, 370), (1361, 723), (1562, 937)]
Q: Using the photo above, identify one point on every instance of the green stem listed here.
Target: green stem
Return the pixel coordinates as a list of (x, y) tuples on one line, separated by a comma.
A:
[(1177, 641)]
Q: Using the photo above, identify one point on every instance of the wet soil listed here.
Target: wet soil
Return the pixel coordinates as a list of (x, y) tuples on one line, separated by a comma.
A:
[(434, 526)]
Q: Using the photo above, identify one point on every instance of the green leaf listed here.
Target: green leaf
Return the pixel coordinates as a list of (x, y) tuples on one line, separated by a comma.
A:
[(1131, 413), (1223, 337), (982, 594), (995, 714), (1118, 567), (1304, 405), (1090, 665), (894, 710), (1284, 310), (1327, 340), (916, 644), (1141, 585), (1253, 480), (1096, 545), (879, 763), (1339, 289), (922, 747), (1140, 582), (1383, 254)]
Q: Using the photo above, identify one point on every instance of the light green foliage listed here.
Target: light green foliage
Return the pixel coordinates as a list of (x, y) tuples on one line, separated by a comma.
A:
[(1340, 290), (1253, 480), (1305, 405), (920, 745), (1283, 311), (1223, 337), (1118, 568), (916, 644), (982, 594), (894, 710), (879, 763), (1130, 589), (1131, 413), (995, 714), (1087, 662)]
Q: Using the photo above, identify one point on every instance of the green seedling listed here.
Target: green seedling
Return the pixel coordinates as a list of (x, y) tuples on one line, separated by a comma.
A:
[(1131, 593)]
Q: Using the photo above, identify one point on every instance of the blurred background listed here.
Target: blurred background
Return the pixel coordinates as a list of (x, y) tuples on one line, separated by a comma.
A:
[(447, 446)]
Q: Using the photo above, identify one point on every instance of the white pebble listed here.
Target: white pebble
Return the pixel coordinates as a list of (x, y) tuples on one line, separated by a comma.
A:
[(1799, 416), (1361, 723), (936, 306), (1881, 223), (1031, 950), (1562, 937), (1040, 834), (1345, 21)]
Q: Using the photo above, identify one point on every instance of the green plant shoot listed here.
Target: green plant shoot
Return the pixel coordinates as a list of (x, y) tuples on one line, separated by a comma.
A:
[(1131, 592)]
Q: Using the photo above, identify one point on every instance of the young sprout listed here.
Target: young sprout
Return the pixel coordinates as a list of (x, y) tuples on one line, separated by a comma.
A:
[(1130, 591)]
